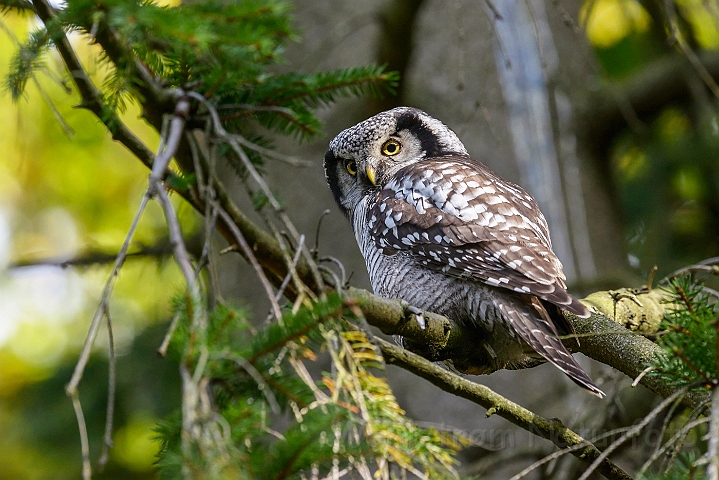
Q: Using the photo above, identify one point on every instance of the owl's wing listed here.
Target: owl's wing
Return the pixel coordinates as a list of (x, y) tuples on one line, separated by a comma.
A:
[(460, 218)]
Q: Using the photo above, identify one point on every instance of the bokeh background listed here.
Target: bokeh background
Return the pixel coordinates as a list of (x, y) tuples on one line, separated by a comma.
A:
[(594, 107)]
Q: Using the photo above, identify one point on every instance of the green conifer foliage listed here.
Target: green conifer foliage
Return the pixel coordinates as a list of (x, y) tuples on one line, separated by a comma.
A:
[(223, 50), (271, 419), (690, 336)]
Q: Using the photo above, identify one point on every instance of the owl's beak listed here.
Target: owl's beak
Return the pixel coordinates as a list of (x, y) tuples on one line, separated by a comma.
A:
[(371, 174)]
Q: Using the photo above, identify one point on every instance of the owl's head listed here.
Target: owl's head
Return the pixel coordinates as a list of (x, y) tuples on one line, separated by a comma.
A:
[(364, 157)]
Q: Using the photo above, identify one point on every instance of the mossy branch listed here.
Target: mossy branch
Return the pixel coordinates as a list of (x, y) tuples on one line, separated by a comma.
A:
[(603, 336)]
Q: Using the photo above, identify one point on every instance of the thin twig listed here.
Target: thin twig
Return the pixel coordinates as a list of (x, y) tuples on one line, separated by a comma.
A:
[(650, 277), (635, 430), (669, 443), (167, 149), (708, 265), (66, 128), (665, 427), (500, 459), (71, 387), (337, 284), (559, 453), (300, 286), (326, 212), (84, 441), (296, 162), (688, 52), (206, 191), (107, 442), (233, 142), (636, 381), (713, 447), (162, 351), (159, 250), (249, 254), (182, 257), (262, 385), (340, 265), (684, 433), (295, 259)]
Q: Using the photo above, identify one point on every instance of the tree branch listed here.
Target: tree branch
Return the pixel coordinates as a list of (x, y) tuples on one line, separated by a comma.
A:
[(91, 96), (602, 336), (609, 110), (161, 249), (552, 430)]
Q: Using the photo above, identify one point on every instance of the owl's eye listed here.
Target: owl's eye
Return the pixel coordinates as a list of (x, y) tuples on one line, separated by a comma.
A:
[(351, 167), (391, 147)]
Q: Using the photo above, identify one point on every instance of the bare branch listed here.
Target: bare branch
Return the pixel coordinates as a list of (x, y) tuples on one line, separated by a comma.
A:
[(257, 377), (701, 70), (71, 387), (713, 448), (635, 430), (295, 259), (84, 441), (564, 451), (107, 442), (295, 162), (709, 265), (671, 442), (234, 143), (245, 247), (158, 250)]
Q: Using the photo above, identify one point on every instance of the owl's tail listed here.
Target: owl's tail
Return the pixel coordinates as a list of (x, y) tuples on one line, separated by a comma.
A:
[(533, 325)]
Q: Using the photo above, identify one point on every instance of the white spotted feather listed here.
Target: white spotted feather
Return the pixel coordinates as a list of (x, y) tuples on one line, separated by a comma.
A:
[(473, 229)]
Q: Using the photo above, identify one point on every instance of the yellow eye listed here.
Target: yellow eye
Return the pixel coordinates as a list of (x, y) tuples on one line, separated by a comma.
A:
[(351, 167), (391, 147)]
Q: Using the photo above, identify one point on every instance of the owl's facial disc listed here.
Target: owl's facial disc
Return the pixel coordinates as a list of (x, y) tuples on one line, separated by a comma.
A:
[(348, 178), (366, 156)]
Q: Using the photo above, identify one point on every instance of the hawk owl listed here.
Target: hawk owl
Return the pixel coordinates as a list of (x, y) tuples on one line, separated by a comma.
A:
[(441, 231)]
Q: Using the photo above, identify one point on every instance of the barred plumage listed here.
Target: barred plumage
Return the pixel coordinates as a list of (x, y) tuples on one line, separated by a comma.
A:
[(442, 231)]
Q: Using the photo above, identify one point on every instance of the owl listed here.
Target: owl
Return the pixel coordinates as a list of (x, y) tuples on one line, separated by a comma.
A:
[(441, 231)]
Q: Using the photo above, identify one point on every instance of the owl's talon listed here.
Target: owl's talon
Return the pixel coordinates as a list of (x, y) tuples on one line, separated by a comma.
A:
[(622, 295), (420, 320), (418, 315)]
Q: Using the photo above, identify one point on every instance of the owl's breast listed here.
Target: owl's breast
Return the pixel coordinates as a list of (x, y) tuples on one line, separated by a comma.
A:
[(401, 275)]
